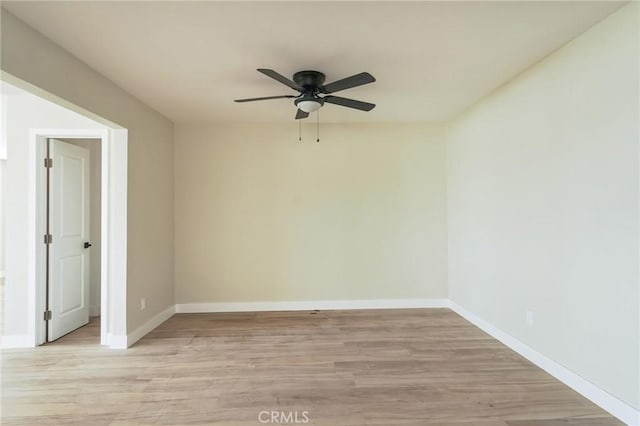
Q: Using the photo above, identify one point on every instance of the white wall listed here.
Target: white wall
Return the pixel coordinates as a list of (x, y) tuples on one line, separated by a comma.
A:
[(30, 56), (262, 217), (543, 206), (3, 214), (24, 112), (3, 179), (95, 164)]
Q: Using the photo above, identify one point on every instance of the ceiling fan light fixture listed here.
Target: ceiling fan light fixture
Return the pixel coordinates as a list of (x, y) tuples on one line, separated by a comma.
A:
[(309, 106)]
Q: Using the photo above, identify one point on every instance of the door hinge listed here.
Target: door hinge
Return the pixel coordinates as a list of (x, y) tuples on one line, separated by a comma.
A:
[(47, 315), (48, 238), (48, 163)]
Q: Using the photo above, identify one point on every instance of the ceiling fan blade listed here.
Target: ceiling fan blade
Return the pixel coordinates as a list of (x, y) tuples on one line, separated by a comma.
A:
[(349, 103), (281, 78), (264, 98), (349, 82), (301, 114)]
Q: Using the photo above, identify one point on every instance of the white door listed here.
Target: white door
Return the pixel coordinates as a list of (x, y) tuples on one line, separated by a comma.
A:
[(69, 229)]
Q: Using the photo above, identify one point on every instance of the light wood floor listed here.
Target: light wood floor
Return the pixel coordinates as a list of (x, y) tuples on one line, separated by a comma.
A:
[(390, 367)]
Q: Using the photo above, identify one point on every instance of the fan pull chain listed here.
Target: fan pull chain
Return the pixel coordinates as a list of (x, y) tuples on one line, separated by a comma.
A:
[(299, 131), (318, 126)]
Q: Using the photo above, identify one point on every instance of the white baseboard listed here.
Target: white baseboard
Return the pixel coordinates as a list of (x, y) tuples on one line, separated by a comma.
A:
[(311, 305), (13, 341), (605, 400), (117, 341), (145, 328)]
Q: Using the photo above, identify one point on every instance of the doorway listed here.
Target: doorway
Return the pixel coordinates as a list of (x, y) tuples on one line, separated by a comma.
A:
[(50, 300), (63, 295), (72, 238)]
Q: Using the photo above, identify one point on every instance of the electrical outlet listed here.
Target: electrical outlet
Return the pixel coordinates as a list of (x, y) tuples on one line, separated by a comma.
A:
[(143, 304), (529, 316)]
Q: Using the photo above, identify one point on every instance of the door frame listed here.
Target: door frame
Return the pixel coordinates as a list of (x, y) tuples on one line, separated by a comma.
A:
[(113, 262)]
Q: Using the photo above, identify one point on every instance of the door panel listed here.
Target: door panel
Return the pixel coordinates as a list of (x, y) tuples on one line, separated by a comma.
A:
[(71, 272), (69, 227)]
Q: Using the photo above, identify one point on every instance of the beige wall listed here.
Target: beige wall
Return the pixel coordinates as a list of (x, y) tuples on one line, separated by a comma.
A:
[(543, 207), (262, 217), (30, 56), (95, 164)]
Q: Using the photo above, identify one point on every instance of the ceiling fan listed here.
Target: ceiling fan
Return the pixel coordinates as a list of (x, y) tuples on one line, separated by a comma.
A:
[(311, 85)]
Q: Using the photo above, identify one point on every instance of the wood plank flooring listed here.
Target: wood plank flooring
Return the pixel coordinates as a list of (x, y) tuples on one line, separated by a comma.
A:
[(367, 367)]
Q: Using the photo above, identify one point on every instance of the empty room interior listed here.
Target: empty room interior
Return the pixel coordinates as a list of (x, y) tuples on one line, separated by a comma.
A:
[(321, 212)]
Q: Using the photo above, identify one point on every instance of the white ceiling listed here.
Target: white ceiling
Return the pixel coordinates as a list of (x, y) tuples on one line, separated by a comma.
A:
[(189, 60)]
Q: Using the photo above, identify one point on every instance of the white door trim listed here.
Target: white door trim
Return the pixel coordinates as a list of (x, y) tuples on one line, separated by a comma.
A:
[(113, 286)]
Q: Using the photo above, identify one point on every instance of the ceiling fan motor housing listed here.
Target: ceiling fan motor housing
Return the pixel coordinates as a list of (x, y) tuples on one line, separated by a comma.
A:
[(310, 81)]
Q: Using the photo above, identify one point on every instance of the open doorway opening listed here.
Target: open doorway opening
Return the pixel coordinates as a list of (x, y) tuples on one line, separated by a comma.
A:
[(30, 118)]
